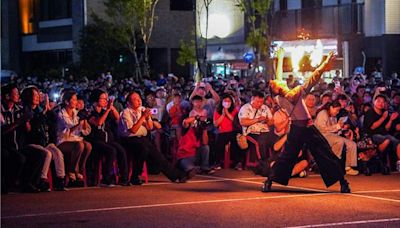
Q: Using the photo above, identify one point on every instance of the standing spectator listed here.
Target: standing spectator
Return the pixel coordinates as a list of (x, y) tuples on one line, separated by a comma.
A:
[(223, 119), (71, 127)]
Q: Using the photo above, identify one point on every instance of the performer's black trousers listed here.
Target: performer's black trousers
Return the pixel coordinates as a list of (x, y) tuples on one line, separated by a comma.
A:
[(328, 163)]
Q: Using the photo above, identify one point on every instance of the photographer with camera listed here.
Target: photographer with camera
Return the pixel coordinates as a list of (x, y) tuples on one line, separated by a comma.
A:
[(70, 128), (197, 118)]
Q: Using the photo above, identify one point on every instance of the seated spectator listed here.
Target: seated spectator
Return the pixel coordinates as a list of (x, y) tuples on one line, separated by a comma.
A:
[(70, 128), (311, 104), (256, 118), (19, 164), (134, 125), (102, 119), (378, 123), (329, 127), (36, 136)]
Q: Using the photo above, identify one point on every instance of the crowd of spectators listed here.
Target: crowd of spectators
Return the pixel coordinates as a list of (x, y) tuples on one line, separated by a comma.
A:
[(180, 127)]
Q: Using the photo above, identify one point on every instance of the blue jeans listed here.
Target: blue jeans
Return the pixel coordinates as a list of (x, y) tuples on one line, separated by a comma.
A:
[(202, 157)]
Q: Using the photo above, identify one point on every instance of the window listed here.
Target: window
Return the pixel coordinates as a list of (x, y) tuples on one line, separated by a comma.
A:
[(311, 3), (55, 9), (283, 4), (26, 13), (181, 5)]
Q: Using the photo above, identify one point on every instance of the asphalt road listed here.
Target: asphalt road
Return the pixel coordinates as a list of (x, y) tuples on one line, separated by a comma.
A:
[(226, 199)]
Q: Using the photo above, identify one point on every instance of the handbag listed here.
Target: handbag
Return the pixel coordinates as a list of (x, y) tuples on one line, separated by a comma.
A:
[(242, 141)]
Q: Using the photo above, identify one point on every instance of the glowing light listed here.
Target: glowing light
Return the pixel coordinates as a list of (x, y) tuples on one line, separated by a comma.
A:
[(296, 55), (316, 54), (26, 12), (219, 25)]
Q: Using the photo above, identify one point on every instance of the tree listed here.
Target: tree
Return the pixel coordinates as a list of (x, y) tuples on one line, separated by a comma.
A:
[(134, 16), (145, 10), (187, 53), (124, 18), (98, 47), (203, 41), (257, 18)]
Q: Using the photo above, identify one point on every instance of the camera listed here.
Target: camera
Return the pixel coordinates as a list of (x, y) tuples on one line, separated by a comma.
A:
[(202, 123)]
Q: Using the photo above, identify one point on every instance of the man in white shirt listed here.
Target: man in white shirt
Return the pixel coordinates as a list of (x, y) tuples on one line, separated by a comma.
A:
[(135, 123), (256, 119)]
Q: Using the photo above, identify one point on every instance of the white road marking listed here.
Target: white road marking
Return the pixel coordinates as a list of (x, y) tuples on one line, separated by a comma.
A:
[(348, 223), (159, 205), (376, 198), (378, 191), (253, 182)]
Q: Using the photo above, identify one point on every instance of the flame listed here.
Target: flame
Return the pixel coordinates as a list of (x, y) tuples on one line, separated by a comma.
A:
[(316, 54), (296, 55)]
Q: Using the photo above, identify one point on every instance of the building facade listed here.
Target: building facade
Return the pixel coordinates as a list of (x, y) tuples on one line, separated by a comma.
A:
[(48, 33), (369, 28)]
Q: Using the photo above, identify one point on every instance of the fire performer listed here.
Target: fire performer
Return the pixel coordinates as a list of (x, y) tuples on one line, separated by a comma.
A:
[(303, 131)]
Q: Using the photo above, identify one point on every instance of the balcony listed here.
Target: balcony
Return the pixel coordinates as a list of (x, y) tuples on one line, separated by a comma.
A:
[(325, 22)]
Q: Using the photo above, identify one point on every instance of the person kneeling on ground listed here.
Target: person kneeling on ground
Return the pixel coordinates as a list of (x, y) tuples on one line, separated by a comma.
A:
[(193, 148)]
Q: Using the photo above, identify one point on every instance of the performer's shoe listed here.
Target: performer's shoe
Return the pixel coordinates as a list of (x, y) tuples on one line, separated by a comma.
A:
[(344, 187), (267, 185)]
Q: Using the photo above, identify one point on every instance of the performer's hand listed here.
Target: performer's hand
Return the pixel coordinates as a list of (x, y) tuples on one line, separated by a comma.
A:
[(280, 53), (329, 59)]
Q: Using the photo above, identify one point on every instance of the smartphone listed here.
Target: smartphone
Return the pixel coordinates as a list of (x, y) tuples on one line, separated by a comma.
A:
[(154, 111), (343, 119)]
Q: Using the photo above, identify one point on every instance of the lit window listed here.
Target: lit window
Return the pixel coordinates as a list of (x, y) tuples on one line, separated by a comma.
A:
[(26, 14)]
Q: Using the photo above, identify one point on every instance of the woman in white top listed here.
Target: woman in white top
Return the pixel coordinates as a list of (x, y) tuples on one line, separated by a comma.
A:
[(329, 127), (70, 127)]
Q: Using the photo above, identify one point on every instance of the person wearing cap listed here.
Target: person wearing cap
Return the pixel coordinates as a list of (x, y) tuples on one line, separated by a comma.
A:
[(303, 131), (378, 122)]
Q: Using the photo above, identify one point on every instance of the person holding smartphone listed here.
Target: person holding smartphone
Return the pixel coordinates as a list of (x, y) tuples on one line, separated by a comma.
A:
[(327, 124), (102, 119), (134, 126)]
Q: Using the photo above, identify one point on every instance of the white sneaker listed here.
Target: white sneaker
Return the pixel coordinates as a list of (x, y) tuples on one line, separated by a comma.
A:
[(351, 171)]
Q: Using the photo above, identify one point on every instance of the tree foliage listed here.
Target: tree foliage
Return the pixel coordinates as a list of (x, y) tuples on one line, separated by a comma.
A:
[(187, 53), (99, 47), (256, 12)]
